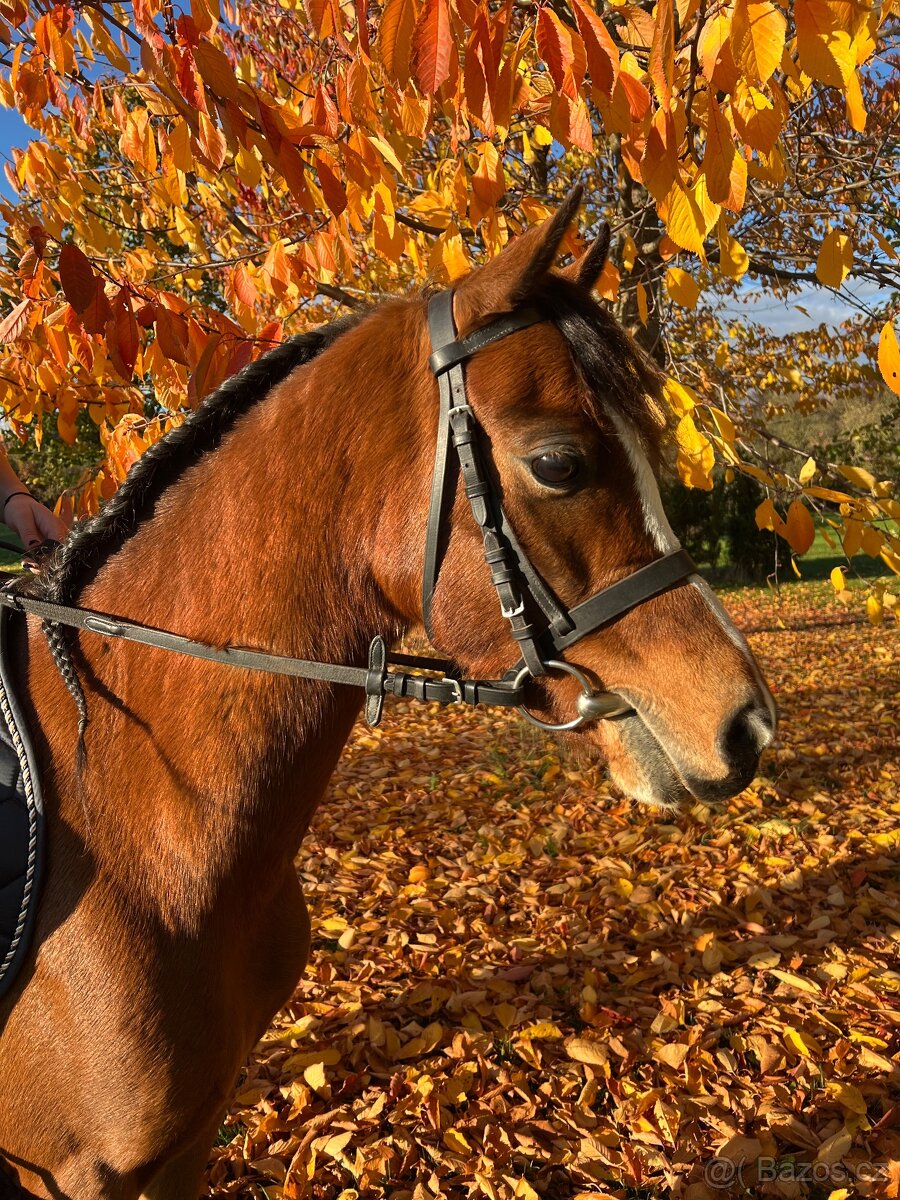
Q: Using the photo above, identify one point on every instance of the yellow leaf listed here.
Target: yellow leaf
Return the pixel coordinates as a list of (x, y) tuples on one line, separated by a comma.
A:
[(835, 259), (847, 1096), (798, 982), (671, 1054), (455, 1141), (875, 610), (889, 357), (885, 245), (543, 1031), (524, 1191), (801, 530), (724, 424), (856, 108), (643, 311), (315, 1076), (688, 436), (800, 1043), (838, 582), (807, 471), (719, 153), (757, 38), (859, 477), (767, 516), (629, 252), (833, 1149), (683, 288), (506, 1014), (584, 1051), (824, 50), (680, 397), (733, 258), (684, 220)]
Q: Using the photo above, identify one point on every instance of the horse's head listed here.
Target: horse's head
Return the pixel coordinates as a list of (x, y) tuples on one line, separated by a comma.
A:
[(570, 412)]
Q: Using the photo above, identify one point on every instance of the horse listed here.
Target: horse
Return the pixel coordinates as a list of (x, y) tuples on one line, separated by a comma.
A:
[(288, 513)]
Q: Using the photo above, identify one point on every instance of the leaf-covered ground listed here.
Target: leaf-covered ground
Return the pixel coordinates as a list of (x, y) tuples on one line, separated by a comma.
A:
[(523, 985)]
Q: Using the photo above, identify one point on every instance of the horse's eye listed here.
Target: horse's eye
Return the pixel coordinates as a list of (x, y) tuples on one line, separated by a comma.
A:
[(555, 467)]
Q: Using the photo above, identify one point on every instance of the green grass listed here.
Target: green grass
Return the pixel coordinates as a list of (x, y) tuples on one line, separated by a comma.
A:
[(816, 565)]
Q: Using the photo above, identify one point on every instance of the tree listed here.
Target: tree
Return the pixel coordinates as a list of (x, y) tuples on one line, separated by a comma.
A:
[(204, 181)]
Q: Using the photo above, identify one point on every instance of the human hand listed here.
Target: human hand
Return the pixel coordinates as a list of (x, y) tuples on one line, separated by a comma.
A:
[(32, 521)]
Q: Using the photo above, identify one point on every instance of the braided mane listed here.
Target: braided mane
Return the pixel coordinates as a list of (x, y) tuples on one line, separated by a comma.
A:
[(92, 542)]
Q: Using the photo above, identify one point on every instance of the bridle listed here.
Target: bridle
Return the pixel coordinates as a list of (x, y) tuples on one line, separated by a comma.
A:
[(539, 623)]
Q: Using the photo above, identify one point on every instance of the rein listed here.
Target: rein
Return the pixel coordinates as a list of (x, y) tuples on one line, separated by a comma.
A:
[(541, 625)]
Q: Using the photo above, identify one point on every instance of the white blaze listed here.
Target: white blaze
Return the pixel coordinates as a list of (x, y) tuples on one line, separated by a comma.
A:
[(663, 536)]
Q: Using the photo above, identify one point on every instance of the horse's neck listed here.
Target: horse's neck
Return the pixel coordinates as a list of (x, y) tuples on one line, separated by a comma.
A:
[(281, 539)]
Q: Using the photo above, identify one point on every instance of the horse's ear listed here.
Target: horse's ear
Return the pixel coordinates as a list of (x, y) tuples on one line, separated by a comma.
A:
[(588, 267), (509, 279)]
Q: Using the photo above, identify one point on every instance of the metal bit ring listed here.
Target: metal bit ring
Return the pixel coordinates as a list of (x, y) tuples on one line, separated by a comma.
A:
[(592, 705)]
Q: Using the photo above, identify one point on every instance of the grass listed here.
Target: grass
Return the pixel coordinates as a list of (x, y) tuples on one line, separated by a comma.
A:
[(817, 564)]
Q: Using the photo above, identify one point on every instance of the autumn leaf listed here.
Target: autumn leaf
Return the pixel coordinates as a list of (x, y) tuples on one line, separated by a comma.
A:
[(15, 323), (683, 289), (800, 528), (122, 335), (432, 46), (835, 260), (757, 38), (889, 357), (79, 283), (212, 141)]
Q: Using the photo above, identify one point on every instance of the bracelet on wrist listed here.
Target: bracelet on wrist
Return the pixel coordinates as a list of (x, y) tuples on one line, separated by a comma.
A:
[(12, 495)]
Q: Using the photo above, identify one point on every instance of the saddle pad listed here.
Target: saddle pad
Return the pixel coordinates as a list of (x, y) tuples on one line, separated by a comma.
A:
[(21, 822)]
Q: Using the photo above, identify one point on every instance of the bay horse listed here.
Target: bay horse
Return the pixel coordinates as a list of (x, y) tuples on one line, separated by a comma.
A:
[(288, 513)]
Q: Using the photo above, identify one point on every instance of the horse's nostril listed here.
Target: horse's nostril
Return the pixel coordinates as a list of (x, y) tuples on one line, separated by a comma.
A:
[(746, 736)]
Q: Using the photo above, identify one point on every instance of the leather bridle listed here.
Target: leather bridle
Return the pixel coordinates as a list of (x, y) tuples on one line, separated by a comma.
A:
[(539, 623)]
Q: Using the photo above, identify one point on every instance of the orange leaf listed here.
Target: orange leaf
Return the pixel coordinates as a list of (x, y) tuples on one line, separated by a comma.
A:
[(719, 154), (602, 55), (217, 71), (395, 33), (76, 276), (172, 335), (244, 288), (800, 531), (122, 335), (95, 316), (212, 141), (432, 45), (889, 357), (554, 43), (662, 52), (757, 38), (332, 188), (15, 323)]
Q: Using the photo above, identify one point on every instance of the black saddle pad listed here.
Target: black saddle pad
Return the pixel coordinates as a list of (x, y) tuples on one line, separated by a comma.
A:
[(21, 822)]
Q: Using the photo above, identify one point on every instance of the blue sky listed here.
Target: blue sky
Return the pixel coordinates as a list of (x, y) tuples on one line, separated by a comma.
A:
[(752, 302)]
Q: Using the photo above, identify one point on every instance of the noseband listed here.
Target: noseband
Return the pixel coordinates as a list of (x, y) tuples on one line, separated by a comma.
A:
[(541, 625)]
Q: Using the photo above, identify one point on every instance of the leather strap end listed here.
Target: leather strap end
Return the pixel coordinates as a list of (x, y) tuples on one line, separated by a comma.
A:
[(375, 681)]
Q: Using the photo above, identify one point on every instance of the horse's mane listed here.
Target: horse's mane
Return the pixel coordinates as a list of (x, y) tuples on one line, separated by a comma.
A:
[(91, 542)]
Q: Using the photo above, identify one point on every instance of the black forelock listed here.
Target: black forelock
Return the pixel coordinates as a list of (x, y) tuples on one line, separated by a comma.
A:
[(615, 369)]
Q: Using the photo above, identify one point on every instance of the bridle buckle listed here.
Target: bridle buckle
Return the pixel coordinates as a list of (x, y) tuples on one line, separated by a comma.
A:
[(509, 613)]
